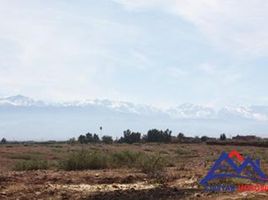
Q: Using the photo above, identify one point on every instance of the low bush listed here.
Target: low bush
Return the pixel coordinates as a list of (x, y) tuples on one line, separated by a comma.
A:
[(26, 165), (147, 163), (26, 156), (151, 164), (125, 159), (85, 160)]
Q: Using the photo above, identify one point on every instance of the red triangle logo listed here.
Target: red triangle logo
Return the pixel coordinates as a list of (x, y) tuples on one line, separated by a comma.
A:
[(234, 153)]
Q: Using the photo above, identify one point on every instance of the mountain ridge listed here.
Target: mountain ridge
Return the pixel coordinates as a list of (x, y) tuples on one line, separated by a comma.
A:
[(21, 118), (183, 111)]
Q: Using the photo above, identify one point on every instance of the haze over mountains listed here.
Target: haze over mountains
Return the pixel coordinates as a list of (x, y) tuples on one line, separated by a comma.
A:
[(23, 118)]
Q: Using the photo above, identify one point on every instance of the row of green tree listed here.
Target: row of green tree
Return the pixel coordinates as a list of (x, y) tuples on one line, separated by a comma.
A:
[(93, 138), (153, 135), (130, 137)]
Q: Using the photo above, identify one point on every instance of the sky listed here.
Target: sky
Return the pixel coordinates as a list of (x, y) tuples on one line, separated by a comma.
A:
[(157, 52)]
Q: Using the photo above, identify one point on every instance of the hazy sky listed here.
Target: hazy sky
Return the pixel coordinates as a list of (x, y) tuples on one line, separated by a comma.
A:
[(160, 52)]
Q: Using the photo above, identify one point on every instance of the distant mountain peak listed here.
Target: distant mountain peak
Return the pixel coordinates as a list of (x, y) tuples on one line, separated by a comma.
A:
[(19, 100)]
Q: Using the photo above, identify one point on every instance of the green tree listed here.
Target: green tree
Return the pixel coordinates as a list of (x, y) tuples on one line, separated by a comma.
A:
[(131, 137), (89, 138), (82, 139), (107, 139), (204, 138), (223, 136), (96, 138), (155, 135), (3, 141), (71, 141)]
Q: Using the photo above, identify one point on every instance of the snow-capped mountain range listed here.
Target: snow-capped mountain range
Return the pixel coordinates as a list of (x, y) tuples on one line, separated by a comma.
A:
[(23, 117), (184, 111)]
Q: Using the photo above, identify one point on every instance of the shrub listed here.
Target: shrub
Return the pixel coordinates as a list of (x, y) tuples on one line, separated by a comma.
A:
[(26, 156), (125, 158), (31, 165), (182, 151), (147, 163), (151, 164), (85, 160), (101, 160)]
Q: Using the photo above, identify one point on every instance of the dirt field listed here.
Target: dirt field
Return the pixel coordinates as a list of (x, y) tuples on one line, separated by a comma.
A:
[(187, 165)]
